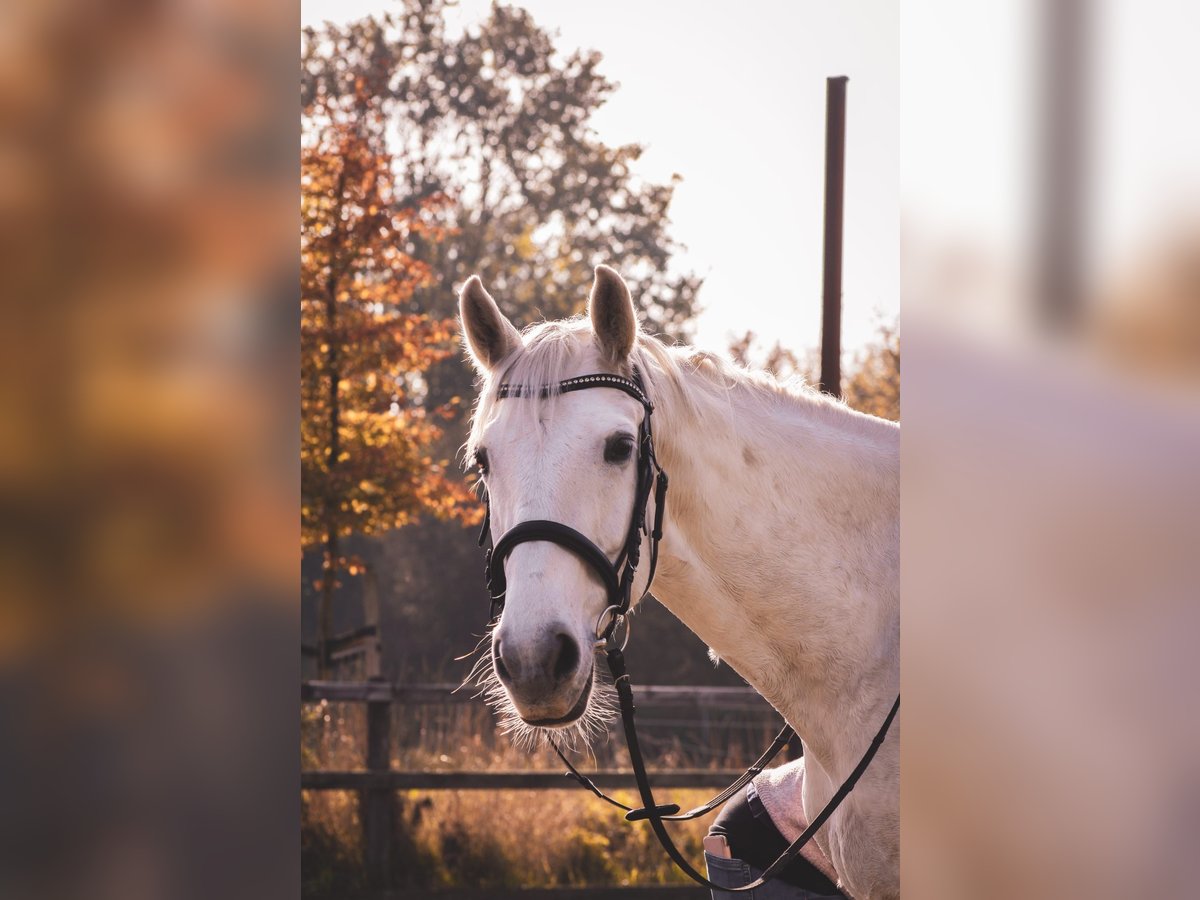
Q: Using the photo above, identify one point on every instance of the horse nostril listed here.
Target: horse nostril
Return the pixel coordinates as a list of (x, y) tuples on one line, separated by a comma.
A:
[(566, 658), (498, 661)]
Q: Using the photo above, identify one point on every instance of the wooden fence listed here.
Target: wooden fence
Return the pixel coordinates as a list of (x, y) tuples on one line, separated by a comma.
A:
[(378, 781)]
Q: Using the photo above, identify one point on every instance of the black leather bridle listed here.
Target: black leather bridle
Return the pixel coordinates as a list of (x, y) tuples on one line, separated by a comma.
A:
[(617, 576), (618, 579)]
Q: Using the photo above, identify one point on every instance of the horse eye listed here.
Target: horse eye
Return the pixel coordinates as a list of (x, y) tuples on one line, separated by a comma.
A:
[(618, 448), (481, 461)]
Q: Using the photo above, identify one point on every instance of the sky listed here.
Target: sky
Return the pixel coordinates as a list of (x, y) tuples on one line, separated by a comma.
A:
[(732, 98), (967, 151)]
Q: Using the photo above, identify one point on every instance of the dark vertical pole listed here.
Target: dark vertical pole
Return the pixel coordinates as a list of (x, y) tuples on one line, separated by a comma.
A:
[(1058, 257), (835, 177), (377, 801)]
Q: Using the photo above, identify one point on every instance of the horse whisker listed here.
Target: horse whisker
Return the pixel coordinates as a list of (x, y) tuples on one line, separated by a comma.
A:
[(595, 721), (482, 640)]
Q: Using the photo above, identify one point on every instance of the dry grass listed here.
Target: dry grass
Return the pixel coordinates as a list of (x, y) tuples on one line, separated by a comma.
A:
[(492, 838)]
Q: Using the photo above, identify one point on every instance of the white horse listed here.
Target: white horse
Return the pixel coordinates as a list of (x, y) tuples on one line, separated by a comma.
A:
[(781, 545)]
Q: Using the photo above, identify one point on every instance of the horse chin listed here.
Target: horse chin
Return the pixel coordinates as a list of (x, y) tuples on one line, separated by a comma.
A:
[(573, 715)]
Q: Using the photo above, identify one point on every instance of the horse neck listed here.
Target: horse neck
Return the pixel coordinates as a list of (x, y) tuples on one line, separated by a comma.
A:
[(781, 551)]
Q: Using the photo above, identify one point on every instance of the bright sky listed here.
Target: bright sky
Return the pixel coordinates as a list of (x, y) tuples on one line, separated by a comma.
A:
[(732, 97), (971, 88)]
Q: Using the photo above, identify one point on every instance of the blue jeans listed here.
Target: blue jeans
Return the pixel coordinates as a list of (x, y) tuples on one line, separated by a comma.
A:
[(735, 873)]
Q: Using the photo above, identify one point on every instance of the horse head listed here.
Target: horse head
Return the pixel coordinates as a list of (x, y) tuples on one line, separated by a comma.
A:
[(569, 458)]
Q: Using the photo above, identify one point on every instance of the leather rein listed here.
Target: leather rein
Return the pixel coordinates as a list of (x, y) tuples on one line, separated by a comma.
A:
[(618, 579)]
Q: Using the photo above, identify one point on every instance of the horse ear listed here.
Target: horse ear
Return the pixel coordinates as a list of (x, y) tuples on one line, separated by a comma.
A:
[(613, 318), (490, 336)]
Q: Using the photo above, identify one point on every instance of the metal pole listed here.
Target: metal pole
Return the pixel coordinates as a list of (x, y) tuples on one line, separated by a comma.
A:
[(835, 172), (1065, 46)]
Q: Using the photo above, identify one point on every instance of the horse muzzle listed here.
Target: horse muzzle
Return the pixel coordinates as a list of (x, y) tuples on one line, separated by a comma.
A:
[(548, 679)]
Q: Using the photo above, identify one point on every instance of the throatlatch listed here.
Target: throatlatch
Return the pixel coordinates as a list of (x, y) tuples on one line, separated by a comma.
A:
[(618, 577)]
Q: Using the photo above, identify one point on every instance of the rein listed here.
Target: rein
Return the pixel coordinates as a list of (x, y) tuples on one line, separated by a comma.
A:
[(618, 583)]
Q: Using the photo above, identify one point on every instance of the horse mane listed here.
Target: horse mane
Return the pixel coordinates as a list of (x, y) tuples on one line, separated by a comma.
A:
[(681, 380)]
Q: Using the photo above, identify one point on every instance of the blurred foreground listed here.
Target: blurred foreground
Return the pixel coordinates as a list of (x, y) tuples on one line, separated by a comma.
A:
[(1051, 459), (147, 460)]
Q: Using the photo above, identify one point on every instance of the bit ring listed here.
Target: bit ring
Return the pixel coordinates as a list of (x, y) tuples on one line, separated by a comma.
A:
[(604, 639)]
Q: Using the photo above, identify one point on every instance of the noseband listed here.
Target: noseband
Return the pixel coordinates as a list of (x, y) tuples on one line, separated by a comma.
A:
[(617, 577)]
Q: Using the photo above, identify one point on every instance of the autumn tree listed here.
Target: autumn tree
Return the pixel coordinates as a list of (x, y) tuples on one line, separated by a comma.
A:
[(499, 119), (366, 432), (780, 361), (872, 384)]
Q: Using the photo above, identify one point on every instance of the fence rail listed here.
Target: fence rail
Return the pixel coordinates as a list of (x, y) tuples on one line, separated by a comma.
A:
[(438, 694), (632, 892), (393, 780), (377, 784)]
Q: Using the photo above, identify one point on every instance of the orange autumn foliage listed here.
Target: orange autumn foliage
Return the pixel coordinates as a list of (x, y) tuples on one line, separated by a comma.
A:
[(366, 433)]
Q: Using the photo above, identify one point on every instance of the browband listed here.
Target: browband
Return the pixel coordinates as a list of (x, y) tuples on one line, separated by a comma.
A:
[(632, 388)]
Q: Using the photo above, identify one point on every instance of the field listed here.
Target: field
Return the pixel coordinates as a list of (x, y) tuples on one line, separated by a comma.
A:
[(482, 838)]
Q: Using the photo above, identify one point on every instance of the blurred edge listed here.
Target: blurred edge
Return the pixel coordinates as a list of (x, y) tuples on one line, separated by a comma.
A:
[(148, 623), (1051, 459)]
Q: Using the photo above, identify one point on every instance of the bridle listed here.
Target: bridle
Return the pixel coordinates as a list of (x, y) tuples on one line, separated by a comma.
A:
[(618, 579), (617, 576)]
